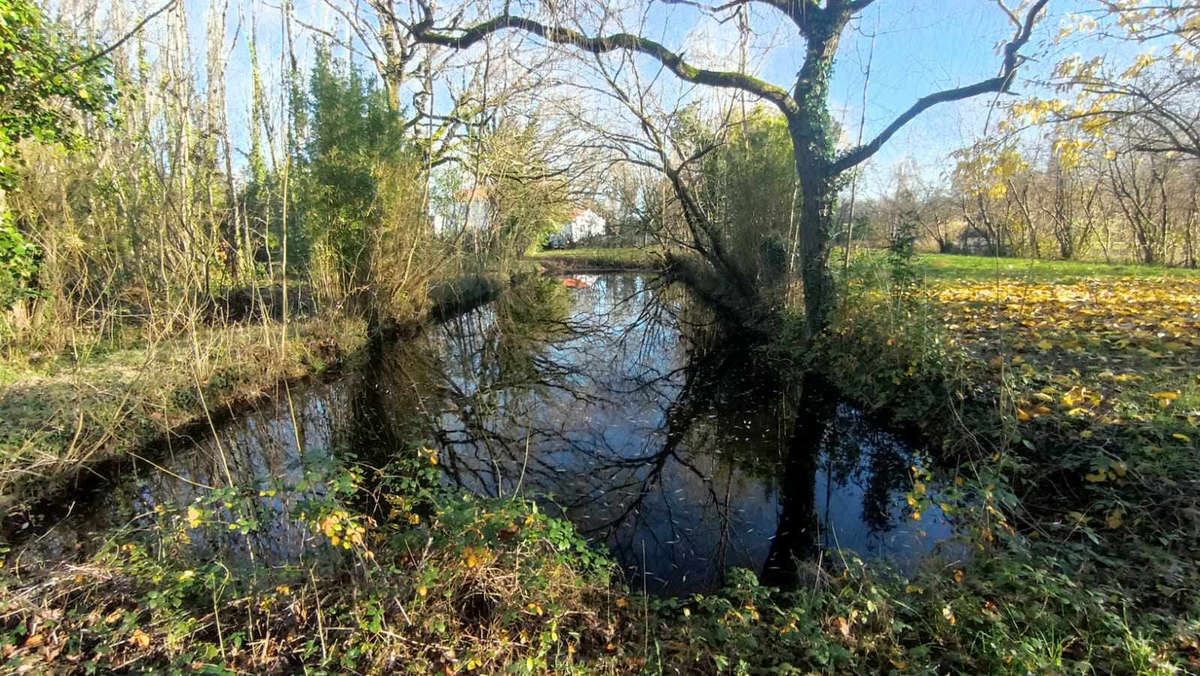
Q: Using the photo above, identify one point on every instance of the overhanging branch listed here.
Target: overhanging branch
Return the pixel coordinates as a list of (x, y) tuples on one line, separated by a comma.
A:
[(423, 32), (998, 84)]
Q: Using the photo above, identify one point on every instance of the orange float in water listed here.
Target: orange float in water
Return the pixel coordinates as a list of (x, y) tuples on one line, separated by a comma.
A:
[(575, 283)]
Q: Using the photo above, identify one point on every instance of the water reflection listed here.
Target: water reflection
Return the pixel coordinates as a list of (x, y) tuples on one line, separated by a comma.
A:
[(619, 404)]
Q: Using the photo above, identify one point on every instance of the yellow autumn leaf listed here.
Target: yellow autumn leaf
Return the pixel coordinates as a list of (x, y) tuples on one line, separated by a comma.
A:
[(948, 614)]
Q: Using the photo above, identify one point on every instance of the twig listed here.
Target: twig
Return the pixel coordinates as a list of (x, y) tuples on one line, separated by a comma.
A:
[(125, 38)]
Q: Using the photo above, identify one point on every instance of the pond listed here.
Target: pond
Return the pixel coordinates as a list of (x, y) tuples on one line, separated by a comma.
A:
[(619, 404)]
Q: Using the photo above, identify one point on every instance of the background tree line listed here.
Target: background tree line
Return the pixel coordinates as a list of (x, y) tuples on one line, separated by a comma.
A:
[(130, 198), (356, 123), (1024, 198)]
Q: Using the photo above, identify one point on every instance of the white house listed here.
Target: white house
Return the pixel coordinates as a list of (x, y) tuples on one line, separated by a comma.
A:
[(468, 210), (584, 224)]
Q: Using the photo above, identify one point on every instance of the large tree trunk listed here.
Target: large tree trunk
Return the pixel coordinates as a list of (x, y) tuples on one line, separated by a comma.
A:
[(811, 129), (816, 216)]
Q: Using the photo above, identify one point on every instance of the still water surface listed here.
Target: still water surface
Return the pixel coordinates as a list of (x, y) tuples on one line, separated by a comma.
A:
[(615, 405)]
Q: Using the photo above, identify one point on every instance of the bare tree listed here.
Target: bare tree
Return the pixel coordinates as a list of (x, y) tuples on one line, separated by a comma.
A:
[(1139, 189), (819, 166)]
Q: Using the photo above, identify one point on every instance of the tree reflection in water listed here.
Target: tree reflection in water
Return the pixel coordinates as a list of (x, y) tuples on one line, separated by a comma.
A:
[(620, 405)]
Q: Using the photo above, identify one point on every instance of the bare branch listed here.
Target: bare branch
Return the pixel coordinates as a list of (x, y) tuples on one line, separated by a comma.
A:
[(998, 84), (799, 11), (109, 49), (599, 45)]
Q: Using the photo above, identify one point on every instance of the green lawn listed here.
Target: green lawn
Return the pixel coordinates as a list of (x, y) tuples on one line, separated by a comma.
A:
[(935, 266), (948, 266)]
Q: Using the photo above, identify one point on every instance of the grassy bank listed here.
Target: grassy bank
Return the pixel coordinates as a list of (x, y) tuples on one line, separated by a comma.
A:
[(596, 259), (398, 576), (1071, 394), (69, 411)]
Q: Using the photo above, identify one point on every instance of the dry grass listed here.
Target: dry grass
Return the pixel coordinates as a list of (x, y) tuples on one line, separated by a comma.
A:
[(64, 414)]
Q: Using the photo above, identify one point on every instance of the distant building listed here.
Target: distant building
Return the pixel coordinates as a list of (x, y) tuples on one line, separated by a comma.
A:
[(976, 241), (584, 224), (469, 210)]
